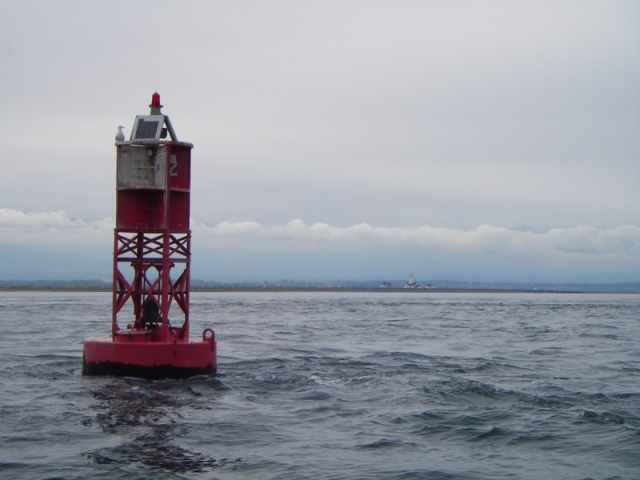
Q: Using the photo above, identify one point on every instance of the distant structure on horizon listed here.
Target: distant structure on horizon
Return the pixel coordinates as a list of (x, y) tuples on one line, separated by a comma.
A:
[(411, 283)]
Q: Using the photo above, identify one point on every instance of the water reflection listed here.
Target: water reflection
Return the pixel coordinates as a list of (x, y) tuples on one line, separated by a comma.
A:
[(148, 415)]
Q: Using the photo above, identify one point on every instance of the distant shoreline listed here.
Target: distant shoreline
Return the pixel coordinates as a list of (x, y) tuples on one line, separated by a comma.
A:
[(222, 289)]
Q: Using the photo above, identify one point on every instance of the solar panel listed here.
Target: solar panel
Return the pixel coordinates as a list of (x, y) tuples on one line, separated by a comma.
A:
[(148, 127)]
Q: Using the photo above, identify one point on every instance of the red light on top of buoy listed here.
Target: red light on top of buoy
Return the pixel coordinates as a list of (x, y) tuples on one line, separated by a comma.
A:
[(155, 100)]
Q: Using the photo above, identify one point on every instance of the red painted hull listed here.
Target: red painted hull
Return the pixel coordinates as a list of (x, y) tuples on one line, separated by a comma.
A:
[(141, 356)]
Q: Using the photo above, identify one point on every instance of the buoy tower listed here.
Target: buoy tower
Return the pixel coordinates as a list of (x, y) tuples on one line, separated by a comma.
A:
[(151, 261)]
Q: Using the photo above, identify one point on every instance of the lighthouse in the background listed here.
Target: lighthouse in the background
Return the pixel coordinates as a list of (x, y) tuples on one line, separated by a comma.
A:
[(151, 260)]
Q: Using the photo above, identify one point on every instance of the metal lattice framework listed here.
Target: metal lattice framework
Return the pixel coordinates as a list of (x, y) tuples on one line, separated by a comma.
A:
[(152, 255)]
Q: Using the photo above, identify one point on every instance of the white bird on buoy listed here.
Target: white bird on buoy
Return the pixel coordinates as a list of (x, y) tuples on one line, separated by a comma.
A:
[(120, 134)]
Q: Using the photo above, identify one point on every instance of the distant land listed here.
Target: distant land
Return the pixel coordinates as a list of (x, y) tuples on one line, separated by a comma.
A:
[(292, 285)]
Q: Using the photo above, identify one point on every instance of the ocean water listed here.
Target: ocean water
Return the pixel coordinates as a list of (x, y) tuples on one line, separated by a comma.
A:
[(379, 385)]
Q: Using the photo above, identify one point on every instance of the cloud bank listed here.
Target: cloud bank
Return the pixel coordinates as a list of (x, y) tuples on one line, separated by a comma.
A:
[(52, 228), (299, 249), (621, 240), (58, 226)]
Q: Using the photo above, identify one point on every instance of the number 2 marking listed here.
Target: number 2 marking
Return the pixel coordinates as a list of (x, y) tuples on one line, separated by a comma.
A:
[(173, 161)]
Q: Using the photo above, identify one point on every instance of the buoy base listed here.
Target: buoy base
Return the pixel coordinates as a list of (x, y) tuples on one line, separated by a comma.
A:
[(140, 356), (155, 372)]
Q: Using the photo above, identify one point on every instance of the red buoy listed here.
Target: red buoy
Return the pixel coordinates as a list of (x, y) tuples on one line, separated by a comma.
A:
[(151, 262)]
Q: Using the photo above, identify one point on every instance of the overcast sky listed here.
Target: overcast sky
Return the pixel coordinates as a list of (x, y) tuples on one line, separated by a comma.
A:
[(486, 140)]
